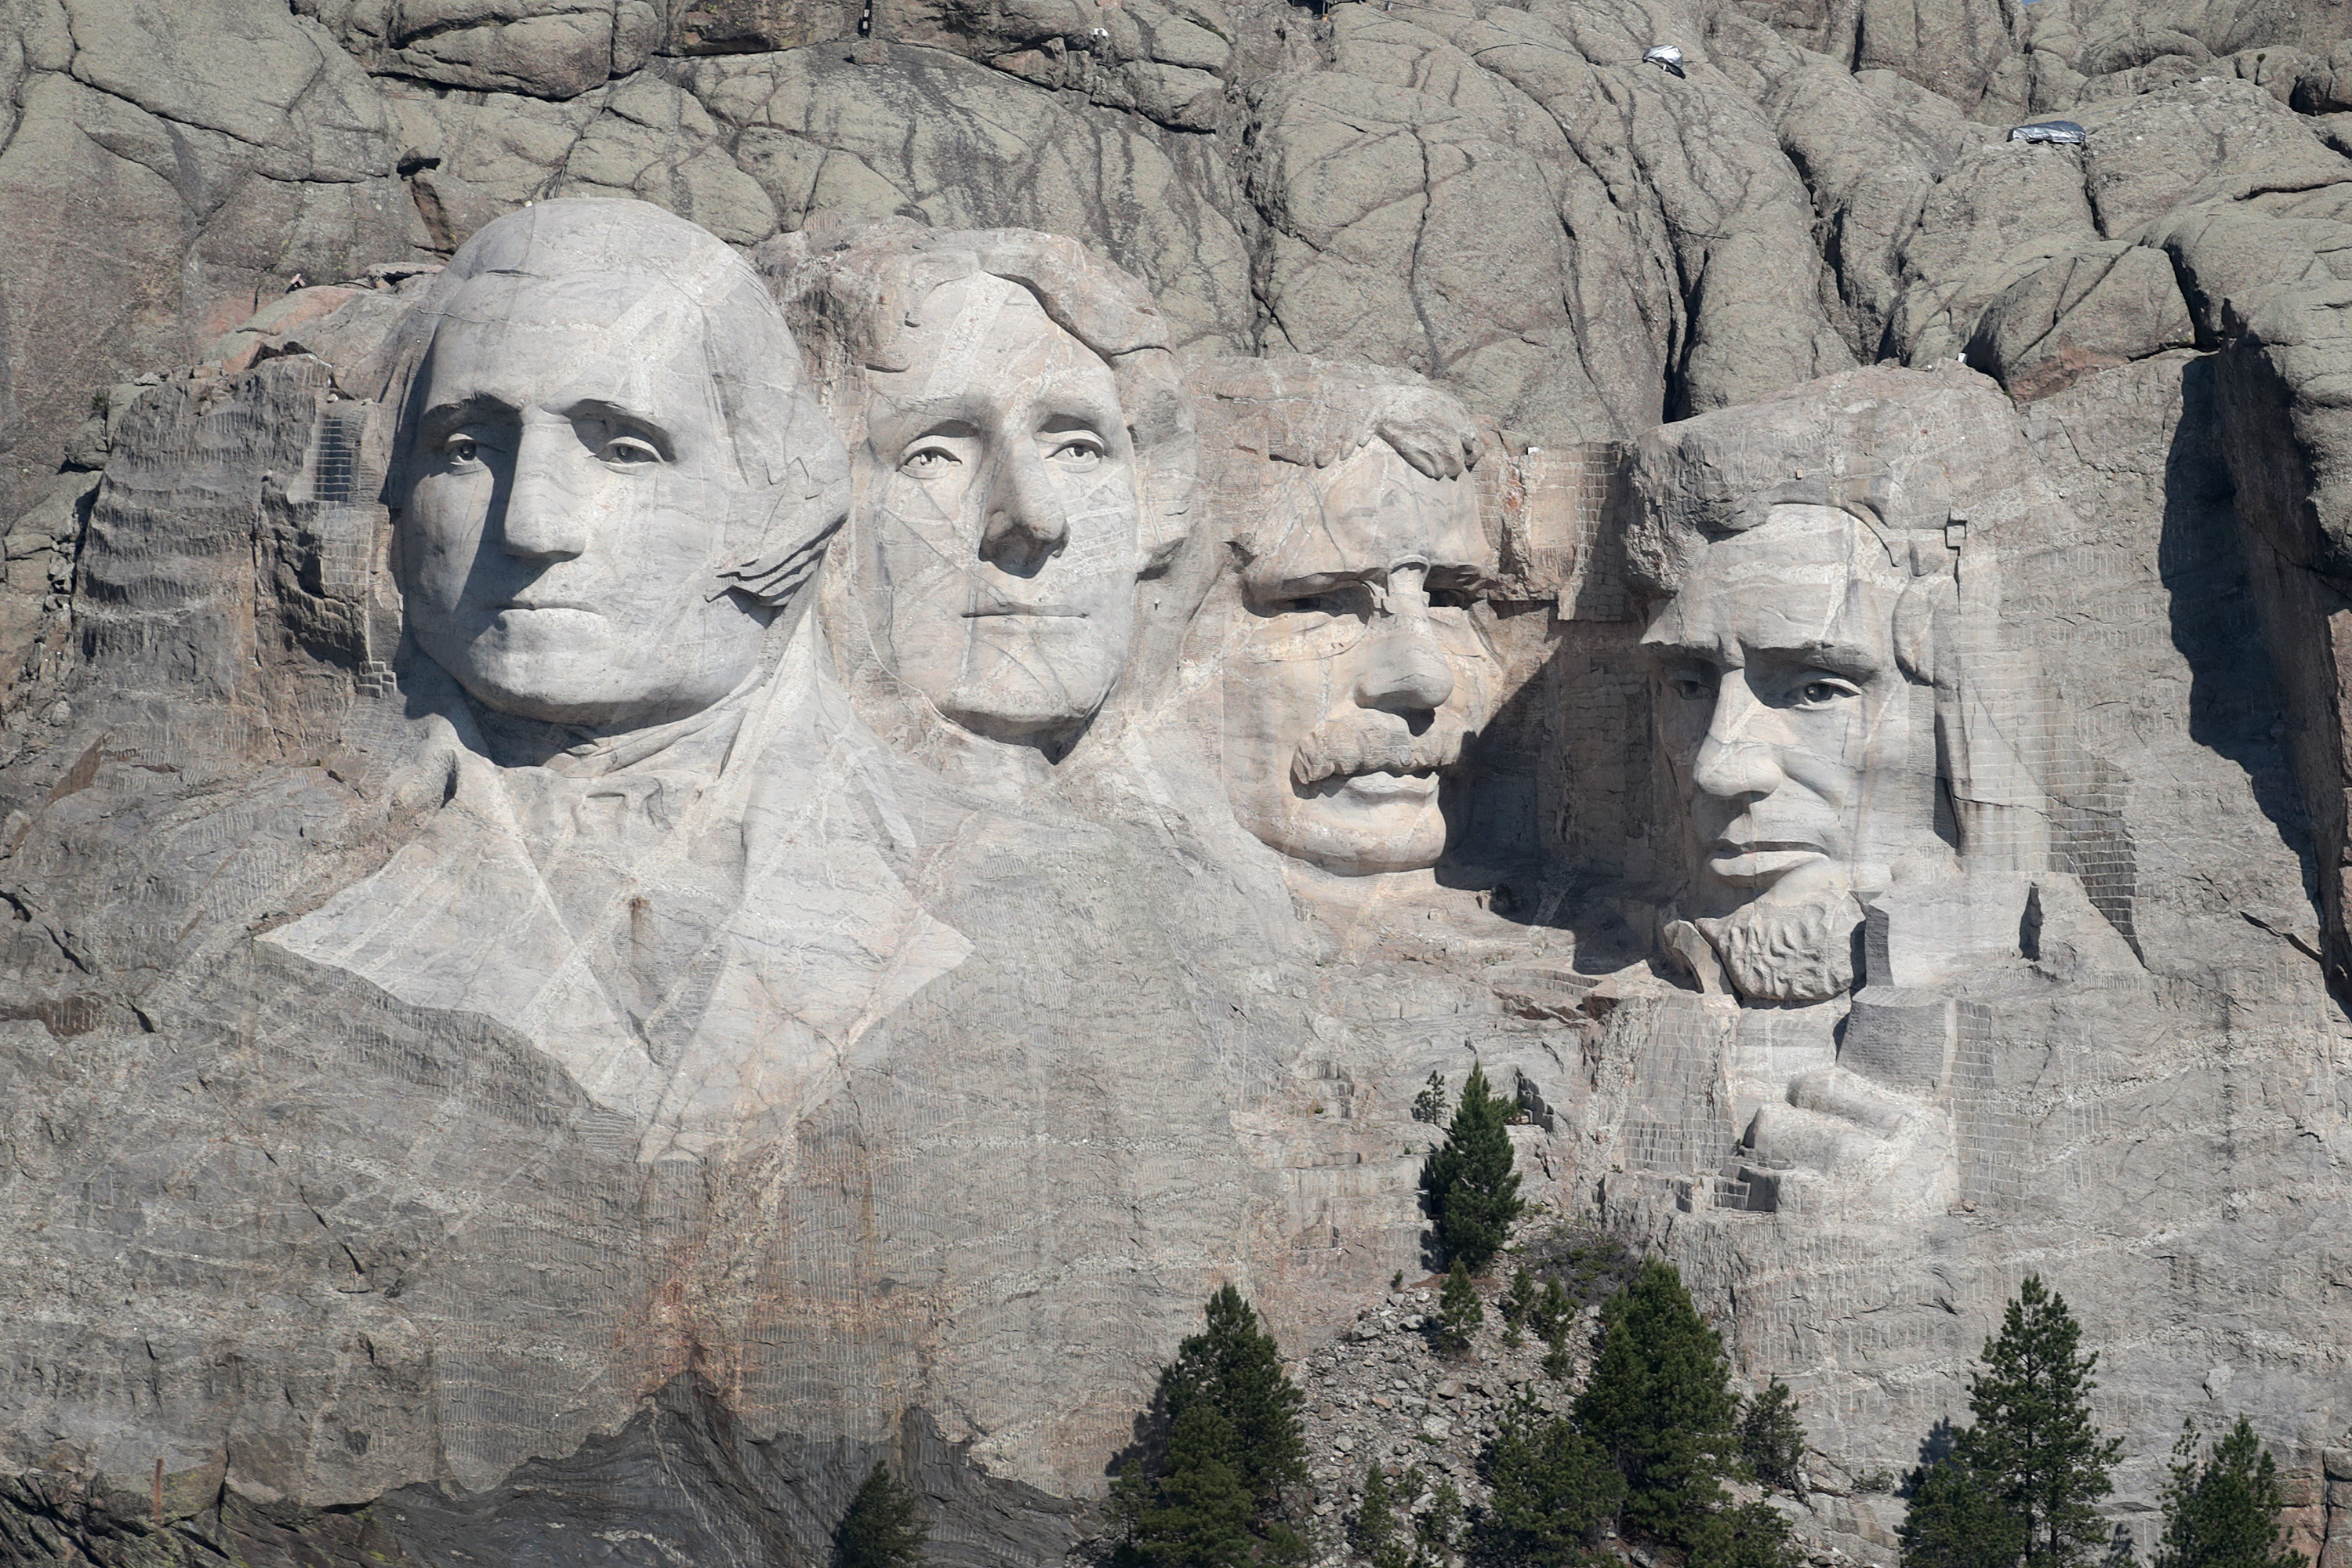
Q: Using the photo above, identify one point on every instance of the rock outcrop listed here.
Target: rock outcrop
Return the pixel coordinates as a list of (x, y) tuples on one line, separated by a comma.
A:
[(1276, 580)]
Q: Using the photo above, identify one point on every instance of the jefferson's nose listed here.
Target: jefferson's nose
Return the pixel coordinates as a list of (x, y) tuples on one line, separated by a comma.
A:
[(1738, 759), (543, 521), (1026, 524), (1402, 667)]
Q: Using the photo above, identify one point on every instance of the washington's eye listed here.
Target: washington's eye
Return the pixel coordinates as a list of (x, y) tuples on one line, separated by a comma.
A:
[(1819, 692), (1690, 685), (629, 451)]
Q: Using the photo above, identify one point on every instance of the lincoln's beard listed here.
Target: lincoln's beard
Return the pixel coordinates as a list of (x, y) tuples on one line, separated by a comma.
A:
[(1788, 952)]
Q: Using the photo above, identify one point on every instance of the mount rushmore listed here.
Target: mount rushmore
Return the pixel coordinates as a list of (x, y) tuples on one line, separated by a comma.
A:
[(831, 709)]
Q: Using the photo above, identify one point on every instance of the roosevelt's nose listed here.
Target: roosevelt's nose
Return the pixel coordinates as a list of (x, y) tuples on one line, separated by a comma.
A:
[(1738, 759), (542, 518), (1027, 525), (1401, 666)]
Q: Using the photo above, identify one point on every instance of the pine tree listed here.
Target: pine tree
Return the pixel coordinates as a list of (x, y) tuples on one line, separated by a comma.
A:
[(1372, 1533), (2021, 1485), (1552, 1488), (1461, 1311), (1519, 1301), (2224, 1513), (1770, 1439), (883, 1528), (1552, 1315), (1753, 1535), (1429, 1105), (1231, 1417), (1955, 1521), (1441, 1526), (1198, 1512), (1238, 1368), (1659, 1402), (1473, 1193)]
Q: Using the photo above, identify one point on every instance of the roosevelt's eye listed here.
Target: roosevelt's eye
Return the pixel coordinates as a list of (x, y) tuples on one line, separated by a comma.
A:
[(628, 452), (1822, 690), (929, 459), (1452, 598)]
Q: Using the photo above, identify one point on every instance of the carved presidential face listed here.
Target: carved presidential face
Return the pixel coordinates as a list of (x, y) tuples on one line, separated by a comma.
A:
[(570, 491), (997, 531), (1358, 680), (1807, 756)]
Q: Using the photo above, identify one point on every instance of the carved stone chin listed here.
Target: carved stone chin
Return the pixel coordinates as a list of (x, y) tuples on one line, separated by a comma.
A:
[(1788, 953)]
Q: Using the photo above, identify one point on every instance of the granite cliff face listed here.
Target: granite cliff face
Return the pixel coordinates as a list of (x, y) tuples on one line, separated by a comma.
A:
[(652, 855)]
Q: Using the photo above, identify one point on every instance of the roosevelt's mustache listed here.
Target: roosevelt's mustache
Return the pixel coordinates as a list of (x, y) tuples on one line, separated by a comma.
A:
[(1371, 742)]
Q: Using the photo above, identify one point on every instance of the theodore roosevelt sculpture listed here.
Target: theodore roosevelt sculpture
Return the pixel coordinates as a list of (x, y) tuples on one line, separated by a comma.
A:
[(1022, 454), (1354, 675), (639, 846)]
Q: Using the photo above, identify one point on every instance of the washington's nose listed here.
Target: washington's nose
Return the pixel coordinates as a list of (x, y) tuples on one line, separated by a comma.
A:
[(542, 520), (1738, 760), (1026, 524)]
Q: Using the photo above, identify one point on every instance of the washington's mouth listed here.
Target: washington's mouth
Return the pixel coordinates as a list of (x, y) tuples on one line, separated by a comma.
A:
[(1043, 612), (1347, 757), (1726, 847)]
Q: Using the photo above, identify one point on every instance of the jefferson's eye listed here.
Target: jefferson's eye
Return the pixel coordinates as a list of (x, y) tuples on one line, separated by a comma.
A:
[(1079, 452), (629, 451), (1821, 693), (929, 460)]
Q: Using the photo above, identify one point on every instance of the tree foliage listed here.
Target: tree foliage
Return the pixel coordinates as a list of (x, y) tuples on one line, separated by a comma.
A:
[(1471, 1191), (1751, 1535), (1770, 1438), (2022, 1484), (1429, 1105), (1552, 1488), (1372, 1533), (1459, 1312), (1659, 1403), (1233, 1450), (2224, 1512), (884, 1527)]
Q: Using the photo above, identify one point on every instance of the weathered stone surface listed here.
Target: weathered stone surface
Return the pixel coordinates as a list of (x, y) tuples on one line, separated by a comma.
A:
[(334, 1208)]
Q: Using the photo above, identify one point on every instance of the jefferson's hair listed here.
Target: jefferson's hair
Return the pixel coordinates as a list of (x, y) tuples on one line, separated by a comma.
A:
[(854, 291)]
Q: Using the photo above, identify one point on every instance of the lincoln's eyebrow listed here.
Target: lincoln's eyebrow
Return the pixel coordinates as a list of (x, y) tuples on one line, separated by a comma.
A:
[(1842, 658)]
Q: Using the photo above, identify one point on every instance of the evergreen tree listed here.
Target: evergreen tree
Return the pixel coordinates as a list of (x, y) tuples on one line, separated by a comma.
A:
[(2224, 1513), (1237, 1367), (1231, 1417), (1552, 1315), (1440, 1528), (1954, 1520), (1372, 1533), (1473, 1193), (2021, 1485), (1429, 1105), (1462, 1311), (1520, 1298), (1753, 1535), (1198, 1512), (1552, 1489), (883, 1528), (1659, 1402), (1770, 1440)]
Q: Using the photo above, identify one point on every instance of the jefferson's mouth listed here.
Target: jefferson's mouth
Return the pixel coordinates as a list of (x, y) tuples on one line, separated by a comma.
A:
[(1376, 783), (1047, 612), (544, 604)]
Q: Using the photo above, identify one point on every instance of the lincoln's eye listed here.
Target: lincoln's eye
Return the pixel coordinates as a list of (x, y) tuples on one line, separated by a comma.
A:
[(460, 449), (630, 451)]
